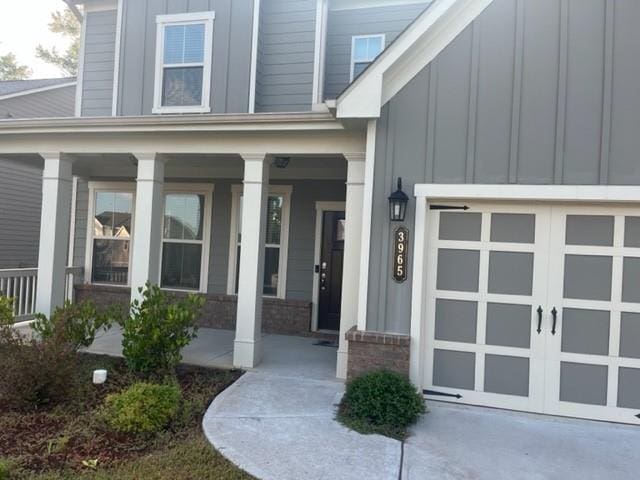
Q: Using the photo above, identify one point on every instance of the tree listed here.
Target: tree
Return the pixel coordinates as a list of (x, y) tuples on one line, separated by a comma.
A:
[(66, 24), (10, 70)]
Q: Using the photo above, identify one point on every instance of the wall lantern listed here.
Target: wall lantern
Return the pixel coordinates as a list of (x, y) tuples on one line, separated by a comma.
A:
[(398, 204), (282, 162)]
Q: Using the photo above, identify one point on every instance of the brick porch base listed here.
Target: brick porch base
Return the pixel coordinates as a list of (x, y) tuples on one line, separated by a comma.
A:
[(370, 351), (280, 317)]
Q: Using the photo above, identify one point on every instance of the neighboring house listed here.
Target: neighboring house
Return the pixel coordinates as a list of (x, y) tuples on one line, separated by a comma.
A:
[(230, 137), (20, 184)]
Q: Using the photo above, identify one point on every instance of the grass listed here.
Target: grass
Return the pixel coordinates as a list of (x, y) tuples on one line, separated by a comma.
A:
[(58, 443)]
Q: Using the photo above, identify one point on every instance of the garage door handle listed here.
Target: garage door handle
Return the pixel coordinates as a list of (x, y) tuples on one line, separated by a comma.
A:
[(554, 313), (539, 319)]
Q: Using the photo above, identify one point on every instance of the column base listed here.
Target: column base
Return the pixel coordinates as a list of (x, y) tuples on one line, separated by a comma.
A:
[(247, 353), (341, 364), (370, 351)]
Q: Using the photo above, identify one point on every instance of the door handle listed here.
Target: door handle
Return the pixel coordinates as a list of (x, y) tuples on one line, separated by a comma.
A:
[(554, 313), (539, 319)]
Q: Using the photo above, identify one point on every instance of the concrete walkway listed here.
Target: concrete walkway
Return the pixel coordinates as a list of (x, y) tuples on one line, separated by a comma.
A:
[(279, 427)]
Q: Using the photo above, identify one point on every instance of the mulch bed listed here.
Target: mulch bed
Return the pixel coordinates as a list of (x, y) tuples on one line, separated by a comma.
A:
[(61, 437)]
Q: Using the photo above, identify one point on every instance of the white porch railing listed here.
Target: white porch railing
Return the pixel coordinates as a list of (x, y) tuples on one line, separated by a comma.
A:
[(21, 285)]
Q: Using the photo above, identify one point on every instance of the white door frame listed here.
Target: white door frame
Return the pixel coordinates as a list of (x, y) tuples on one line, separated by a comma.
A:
[(426, 193), (321, 207)]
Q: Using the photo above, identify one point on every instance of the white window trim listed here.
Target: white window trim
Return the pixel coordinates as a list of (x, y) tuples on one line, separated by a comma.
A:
[(426, 193), (236, 192), (184, 19), (354, 38), (321, 207), (201, 189), (94, 187)]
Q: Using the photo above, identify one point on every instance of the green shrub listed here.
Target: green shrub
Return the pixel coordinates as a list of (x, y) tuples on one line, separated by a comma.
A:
[(78, 323), (143, 408), (157, 330), (5, 469), (6, 311), (381, 402)]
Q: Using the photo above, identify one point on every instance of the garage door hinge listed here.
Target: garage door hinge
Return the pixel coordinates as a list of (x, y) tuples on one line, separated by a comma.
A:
[(441, 394), (448, 207)]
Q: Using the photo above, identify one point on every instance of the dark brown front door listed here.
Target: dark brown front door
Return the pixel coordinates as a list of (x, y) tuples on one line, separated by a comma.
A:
[(330, 271)]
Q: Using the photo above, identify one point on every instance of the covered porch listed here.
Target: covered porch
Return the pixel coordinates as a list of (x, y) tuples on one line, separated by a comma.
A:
[(234, 209)]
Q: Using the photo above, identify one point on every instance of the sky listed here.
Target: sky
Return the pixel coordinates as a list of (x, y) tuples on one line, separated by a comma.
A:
[(24, 25)]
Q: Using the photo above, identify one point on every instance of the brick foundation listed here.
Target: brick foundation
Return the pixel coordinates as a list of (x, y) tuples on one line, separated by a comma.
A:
[(281, 317), (370, 351)]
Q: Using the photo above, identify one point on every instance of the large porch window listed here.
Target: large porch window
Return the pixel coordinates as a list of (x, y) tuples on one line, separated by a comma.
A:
[(276, 241), (185, 238), (110, 232)]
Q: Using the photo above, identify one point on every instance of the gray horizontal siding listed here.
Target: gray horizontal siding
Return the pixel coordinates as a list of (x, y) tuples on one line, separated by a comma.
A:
[(52, 103), (231, 61), (20, 203), (98, 64), (286, 49), (529, 93), (301, 231), (344, 24)]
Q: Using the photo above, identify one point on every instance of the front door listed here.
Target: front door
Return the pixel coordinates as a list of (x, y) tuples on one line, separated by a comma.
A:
[(330, 270)]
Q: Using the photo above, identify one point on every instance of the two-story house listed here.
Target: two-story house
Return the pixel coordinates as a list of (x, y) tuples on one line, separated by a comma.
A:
[(250, 150)]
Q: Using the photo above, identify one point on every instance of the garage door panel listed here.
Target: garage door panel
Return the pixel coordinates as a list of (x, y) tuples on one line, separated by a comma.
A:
[(506, 375), (454, 369), (585, 331), (508, 325), (630, 335), (458, 270), (587, 277), (629, 387), (632, 232), (594, 230), (510, 273), (513, 227), (456, 320), (583, 383), (631, 280), (460, 226)]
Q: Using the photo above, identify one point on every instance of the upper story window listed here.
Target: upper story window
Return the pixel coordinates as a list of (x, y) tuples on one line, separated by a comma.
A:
[(364, 50), (183, 63)]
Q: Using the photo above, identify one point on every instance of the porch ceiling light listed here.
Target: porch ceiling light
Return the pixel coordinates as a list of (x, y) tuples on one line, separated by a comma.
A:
[(282, 162), (398, 204)]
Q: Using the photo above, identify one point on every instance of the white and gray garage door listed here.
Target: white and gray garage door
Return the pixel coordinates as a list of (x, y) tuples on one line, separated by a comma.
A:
[(535, 308)]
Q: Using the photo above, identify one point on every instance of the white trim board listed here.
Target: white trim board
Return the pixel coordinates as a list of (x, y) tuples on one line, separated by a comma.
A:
[(339, 5), (321, 207), (80, 77), (552, 193), (253, 76), (37, 90), (116, 60), (322, 10)]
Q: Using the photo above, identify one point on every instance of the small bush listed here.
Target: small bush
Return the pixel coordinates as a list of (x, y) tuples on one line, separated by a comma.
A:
[(33, 373), (157, 330), (143, 408), (76, 323), (381, 402), (5, 469), (6, 311)]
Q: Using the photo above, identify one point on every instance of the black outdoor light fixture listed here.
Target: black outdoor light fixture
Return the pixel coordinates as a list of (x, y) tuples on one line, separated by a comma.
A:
[(398, 204), (282, 162)]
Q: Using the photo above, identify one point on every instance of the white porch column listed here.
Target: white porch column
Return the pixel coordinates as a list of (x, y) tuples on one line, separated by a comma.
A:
[(147, 224), (54, 232), (247, 350), (352, 246)]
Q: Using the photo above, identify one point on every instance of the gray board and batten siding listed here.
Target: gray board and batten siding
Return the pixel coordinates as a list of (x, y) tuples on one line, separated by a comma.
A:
[(230, 75), (98, 63), (286, 50), (532, 92), (344, 24)]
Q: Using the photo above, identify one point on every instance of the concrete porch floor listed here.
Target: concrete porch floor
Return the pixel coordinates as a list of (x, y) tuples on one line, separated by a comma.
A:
[(282, 355)]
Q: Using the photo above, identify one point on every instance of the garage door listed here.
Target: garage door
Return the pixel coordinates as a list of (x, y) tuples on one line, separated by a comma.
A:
[(535, 308)]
